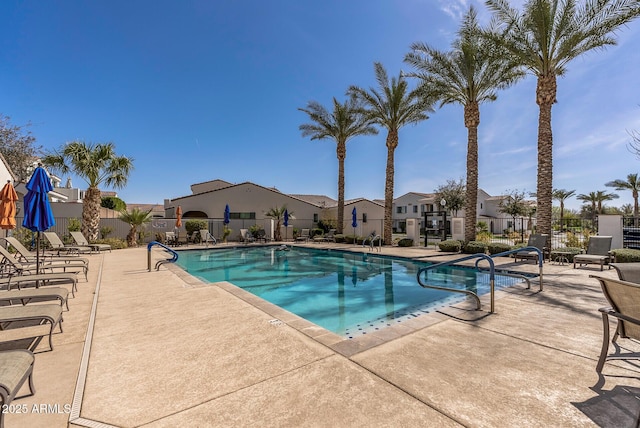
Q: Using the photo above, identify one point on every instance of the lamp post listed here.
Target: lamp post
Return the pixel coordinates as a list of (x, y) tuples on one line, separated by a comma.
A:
[(443, 204)]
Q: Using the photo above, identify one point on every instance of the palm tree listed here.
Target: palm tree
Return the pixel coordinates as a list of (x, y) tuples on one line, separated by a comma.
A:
[(603, 196), (97, 164), (346, 121), (391, 106), (562, 195), (468, 75), (278, 214), (632, 183), (544, 38), (135, 218), (590, 198), (596, 199)]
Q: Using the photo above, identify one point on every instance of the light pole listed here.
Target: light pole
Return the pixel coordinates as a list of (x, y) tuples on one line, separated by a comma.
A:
[(443, 204)]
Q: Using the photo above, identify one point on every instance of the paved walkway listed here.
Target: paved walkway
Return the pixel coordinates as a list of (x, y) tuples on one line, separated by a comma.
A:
[(162, 349)]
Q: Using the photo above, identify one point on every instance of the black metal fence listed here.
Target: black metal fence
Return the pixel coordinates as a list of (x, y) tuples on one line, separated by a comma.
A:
[(569, 232)]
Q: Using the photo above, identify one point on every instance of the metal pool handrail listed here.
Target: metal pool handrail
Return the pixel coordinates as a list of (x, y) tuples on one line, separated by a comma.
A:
[(492, 272), (517, 250), (172, 259), (371, 239), (468, 292)]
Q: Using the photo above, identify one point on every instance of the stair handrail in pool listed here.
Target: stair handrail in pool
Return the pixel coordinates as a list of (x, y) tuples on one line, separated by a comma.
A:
[(372, 238), (468, 292), (172, 259), (517, 250)]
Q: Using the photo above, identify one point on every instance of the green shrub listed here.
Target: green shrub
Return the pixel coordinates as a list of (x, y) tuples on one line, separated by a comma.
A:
[(316, 231), (116, 243), (450, 246), (474, 247), (626, 255), (498, 247), (256, 231), (340, 239), (327, 224), (516, 237), (105, 231), (574, 240), (405, 242), (483, 236), (351, 239), (571, 250), (193, 225)]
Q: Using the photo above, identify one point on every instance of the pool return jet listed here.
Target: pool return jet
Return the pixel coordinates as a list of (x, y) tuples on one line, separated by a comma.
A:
[(492, 273)]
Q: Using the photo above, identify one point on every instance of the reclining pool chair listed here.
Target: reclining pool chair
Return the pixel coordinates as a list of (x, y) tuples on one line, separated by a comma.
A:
[(246, 236), (629, 272), (14, 266), (26, 295), (624, 298), (598, 252), (58, 246), (206, 237), (16, 367), (47, 313), (42, 279), (82, 242), (304, 235), (23, 255), (538, 241)]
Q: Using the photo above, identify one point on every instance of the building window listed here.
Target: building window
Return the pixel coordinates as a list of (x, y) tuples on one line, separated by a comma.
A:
[(480, 205), (315, 218), (364, 217), (415, 208), (242, 216), (399, 210)]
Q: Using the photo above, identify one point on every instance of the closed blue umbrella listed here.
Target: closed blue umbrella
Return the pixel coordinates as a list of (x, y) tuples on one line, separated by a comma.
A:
[(354, 222), (286, 223), (227, 214), (38, 216)]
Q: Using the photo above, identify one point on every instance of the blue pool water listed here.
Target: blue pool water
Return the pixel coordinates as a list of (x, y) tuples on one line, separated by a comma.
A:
[(347, 293)]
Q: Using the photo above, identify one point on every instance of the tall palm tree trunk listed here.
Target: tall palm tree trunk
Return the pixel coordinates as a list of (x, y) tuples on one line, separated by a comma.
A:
[(471, 121), (341, 151), (91, 214), (545, 97), (392, 143)]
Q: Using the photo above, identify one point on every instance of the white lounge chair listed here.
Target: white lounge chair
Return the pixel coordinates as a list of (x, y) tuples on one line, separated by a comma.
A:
[(206, 237)]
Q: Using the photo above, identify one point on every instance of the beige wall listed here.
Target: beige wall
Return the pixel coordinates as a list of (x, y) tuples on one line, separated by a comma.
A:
[(246, 197)]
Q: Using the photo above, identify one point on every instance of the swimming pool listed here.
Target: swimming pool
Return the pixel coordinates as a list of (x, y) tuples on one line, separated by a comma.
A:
[(347, 293)]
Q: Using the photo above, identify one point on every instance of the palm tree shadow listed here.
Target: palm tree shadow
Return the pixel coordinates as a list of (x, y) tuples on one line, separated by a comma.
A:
[(618, 407)]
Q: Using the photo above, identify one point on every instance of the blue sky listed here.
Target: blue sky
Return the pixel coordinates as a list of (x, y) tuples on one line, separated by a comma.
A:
[(200, 90)]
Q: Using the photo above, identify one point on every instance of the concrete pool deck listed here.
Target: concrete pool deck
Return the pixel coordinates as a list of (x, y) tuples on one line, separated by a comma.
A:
[(167, 350)]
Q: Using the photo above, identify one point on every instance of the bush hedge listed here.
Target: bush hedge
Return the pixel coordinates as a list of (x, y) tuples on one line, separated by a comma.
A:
[(474, 247), (450, 246), (626, 255), (498, 247), (405, 242), (192, 225)]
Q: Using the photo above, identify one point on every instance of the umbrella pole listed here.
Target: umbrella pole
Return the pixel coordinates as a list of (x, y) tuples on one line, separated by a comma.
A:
[(38, 254)]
